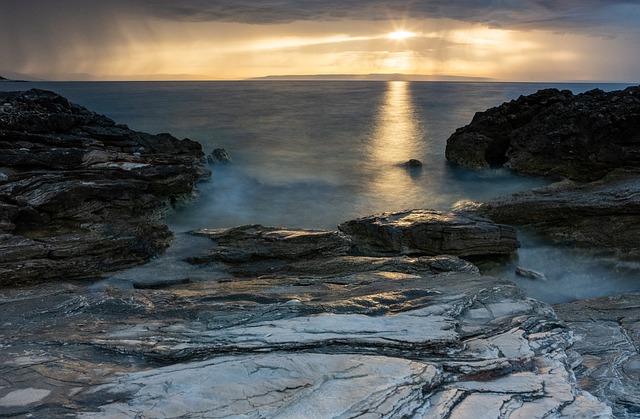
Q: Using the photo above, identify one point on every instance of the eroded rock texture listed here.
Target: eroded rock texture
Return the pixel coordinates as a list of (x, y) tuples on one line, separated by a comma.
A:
[(604, 214), (554, 133), (78, 192), (335, 336), (430, 232), (607, 349)]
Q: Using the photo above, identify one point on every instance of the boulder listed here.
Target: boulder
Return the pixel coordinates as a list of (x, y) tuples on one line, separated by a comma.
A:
[(85, 191), (430, 232), (219, 155), (554, 133)]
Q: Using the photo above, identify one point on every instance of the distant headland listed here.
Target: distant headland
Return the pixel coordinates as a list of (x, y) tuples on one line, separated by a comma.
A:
[(373, 77)]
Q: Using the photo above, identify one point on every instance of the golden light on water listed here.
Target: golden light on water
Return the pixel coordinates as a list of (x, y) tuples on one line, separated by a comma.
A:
[(396, 139)]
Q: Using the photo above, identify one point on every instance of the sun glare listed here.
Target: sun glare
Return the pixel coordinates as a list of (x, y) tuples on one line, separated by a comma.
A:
[(399, 35)]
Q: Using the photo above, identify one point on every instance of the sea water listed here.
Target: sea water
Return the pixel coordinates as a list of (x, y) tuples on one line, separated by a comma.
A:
[(311, 154)]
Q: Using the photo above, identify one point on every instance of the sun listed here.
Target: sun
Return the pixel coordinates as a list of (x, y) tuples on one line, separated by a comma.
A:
[(400, 34)]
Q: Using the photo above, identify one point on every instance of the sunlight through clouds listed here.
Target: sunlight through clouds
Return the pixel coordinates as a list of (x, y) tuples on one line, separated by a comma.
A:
[(157, 39)]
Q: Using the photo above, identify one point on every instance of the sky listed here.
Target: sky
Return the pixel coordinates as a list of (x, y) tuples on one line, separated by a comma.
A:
[(504, 40)]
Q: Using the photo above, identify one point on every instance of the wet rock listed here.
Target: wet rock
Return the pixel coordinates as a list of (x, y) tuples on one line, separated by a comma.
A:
[(245, 243), (607, 332), (601, 214), (219, 155), (79, 194), (554, 133), (413, 163), (431, 233), (325, 333), (530, 273)]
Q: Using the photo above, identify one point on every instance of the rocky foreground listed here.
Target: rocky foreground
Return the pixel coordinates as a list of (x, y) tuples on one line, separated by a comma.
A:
[(381, 318)]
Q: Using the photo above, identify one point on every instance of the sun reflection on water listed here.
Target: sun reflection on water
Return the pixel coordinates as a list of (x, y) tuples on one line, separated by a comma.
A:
[(396, 139)]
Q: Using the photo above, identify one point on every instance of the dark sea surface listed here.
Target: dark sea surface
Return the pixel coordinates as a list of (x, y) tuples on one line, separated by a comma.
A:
[(315, 153)]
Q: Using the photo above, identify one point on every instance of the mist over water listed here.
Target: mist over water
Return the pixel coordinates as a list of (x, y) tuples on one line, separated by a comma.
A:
[(315, 154)]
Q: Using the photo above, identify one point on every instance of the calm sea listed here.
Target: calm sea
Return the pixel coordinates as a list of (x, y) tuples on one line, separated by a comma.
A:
[(315, 153)]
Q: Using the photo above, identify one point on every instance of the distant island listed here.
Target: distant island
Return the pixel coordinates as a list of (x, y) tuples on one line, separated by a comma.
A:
[(4, 79), (373, 77)]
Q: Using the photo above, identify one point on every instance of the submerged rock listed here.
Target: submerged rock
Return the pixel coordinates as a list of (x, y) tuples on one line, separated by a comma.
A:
[(530, 273), (431, 233), (554, 133), (219, 155), (79, 194)]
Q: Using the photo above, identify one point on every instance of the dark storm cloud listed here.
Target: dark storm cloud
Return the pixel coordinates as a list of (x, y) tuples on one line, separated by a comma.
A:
[(570, 15)]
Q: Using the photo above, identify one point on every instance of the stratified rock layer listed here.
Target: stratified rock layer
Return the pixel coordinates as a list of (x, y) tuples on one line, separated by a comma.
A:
[(554, 133), (607, 349), (430, 232), (604, 214), (78, 192), (379, 337)]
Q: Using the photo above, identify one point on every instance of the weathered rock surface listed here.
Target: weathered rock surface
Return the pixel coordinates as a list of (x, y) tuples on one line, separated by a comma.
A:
[(430, 232), (602, 214), (348, 336), (554, 133), (607, 349), (78, 192)]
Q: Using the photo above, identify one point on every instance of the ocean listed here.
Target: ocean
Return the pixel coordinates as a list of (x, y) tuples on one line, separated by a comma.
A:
[(312, 154)]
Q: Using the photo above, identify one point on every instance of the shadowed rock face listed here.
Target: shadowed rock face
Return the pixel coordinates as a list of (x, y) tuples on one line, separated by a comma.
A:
[(604, 214), (78, 192), (554, 133), (430, 232)]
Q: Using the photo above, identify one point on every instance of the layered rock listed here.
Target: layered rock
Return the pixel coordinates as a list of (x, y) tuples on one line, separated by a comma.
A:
[(80, 194), (607, 349), (603, 214), (390, 337), (554, 133), (431, 233)]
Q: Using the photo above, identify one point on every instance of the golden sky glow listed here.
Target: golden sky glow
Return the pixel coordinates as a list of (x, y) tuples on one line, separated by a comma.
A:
[(157, 40)]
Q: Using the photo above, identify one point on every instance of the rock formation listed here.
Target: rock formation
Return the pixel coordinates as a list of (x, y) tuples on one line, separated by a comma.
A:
[(431, 233), (80, 194), (602, 214), (554, 133), (334, 336)]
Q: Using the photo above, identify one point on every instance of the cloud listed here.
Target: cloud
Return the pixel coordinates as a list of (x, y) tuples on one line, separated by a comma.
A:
[(567, 15)]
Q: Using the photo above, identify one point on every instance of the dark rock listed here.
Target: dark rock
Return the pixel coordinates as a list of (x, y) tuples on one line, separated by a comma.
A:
[(159, 283), (430, 233), (413, 163), (83, 190), (554, 133), (246, 243), (601, 214), (219, 155), (530, 273)]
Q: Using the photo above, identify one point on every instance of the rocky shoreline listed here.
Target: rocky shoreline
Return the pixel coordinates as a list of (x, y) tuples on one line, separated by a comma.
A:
[(81, 195), (383, 318)]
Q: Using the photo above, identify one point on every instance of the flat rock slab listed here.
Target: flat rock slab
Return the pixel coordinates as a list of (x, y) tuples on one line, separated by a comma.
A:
[(430, 232)]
